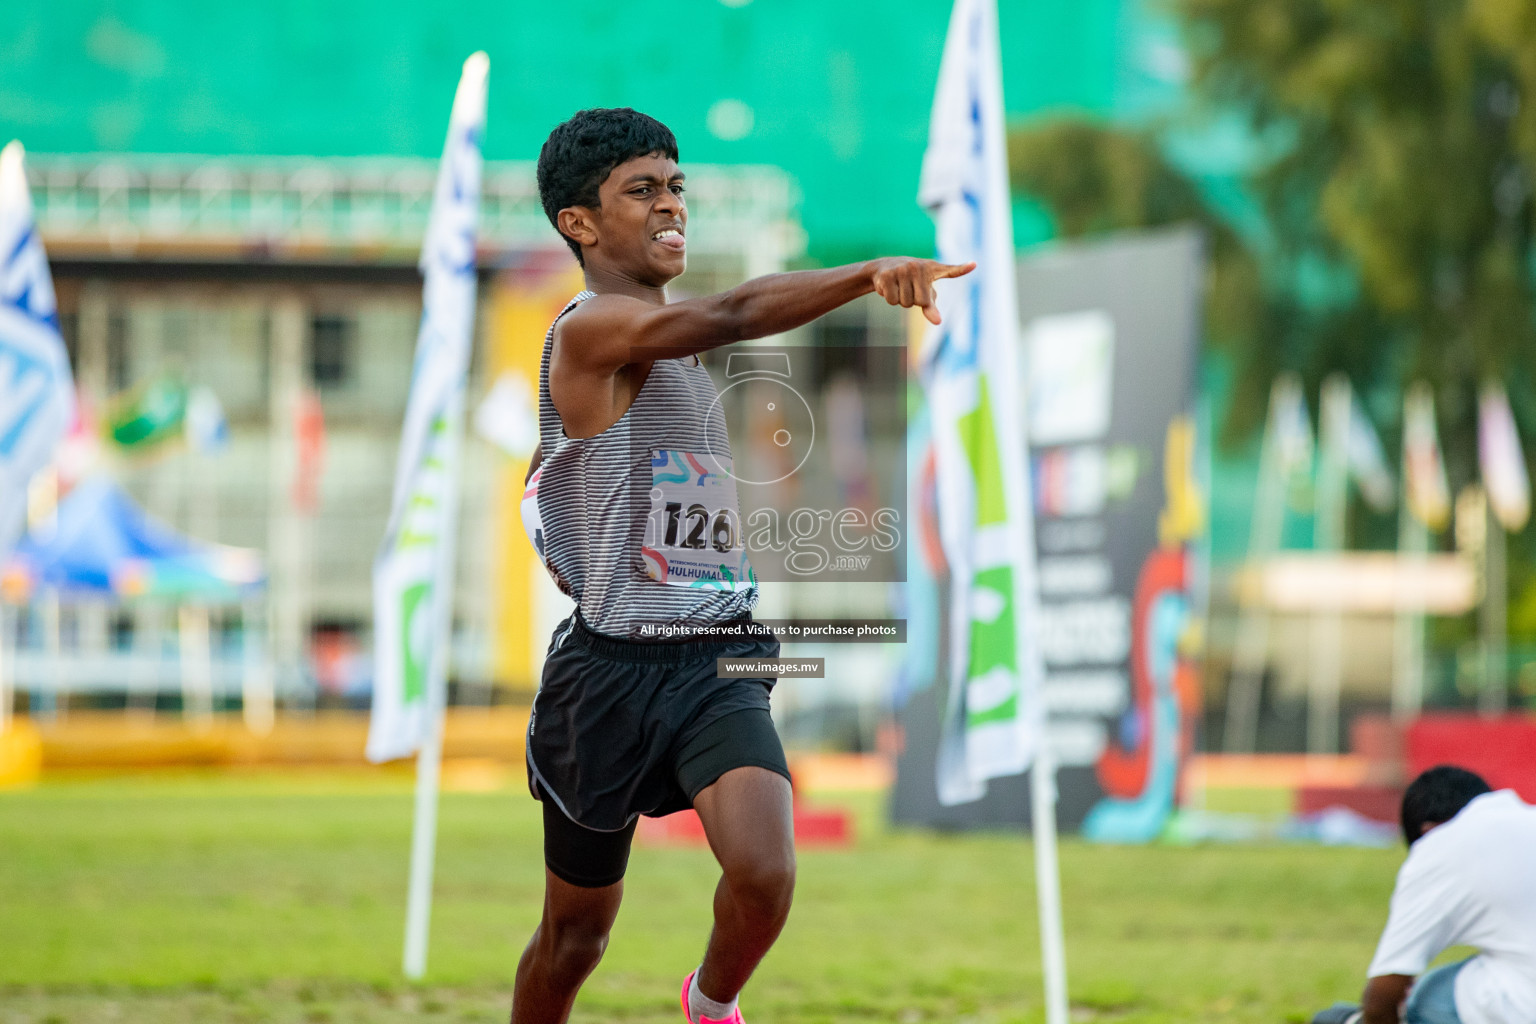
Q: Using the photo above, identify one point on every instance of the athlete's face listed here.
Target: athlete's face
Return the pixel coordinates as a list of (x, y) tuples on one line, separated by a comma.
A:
[(641, 222)]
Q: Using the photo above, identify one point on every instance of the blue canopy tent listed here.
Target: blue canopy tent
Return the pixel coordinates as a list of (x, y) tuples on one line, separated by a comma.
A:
[(105, 544)]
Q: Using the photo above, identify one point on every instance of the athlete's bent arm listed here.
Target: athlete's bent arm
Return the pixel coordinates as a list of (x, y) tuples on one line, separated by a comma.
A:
[(610, 330)]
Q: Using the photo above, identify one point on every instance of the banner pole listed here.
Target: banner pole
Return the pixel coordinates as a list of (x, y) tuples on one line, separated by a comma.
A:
[(1327, 627), (1053, 957), (1493, 700), (418, 911), (1408, 633), (418, 907), (1250, 656)]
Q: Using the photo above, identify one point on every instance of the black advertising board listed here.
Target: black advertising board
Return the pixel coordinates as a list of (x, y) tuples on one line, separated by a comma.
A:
[(1109, 341)]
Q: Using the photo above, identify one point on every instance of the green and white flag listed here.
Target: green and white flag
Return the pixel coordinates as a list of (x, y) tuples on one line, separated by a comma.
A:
[(993, 721), (413, 573)]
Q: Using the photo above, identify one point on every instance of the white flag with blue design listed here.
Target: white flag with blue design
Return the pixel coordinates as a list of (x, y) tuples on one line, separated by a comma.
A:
[(37, 392), (413, 573), (993, 721)]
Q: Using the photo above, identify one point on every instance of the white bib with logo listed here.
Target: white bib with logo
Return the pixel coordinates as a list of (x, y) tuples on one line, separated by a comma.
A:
[(693, 535)]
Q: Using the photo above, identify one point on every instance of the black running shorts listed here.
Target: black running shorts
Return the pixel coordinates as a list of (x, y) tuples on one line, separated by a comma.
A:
[(622, 728)]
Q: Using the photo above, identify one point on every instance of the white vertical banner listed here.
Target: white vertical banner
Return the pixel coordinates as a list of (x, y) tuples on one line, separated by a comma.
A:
[(1508, 510), (1284, 455), (1426, 492), (970, 370), (1367, 461), (1501, 459), (994, 724), (1343, 450), (37, 392), (1426, 505), (413, 573)]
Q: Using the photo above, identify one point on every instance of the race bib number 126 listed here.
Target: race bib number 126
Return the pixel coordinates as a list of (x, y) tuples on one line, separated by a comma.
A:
[(693, 535)]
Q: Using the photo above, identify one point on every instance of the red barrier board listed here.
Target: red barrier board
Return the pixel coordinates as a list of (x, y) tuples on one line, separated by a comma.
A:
[(1379, 803), (1501, 750)]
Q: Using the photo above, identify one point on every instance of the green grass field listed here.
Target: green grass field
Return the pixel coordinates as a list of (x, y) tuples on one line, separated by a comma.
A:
[(202, 898)]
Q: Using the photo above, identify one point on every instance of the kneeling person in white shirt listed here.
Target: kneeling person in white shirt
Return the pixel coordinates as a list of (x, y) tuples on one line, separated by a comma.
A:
[(1469, 880)]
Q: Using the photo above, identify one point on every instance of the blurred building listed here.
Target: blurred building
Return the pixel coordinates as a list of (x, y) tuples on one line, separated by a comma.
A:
[(289, 288), (275, 263)]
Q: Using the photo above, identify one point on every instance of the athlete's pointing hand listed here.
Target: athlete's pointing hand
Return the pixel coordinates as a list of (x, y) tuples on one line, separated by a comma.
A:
[(903, 281)]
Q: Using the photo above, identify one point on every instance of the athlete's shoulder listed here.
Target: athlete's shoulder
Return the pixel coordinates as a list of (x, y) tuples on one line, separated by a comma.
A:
[(600, 311), (576, 311), (602, 318), (603, 305)]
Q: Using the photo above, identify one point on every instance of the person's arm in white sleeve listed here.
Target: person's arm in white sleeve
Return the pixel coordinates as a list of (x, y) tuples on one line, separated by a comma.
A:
[(1417, 928)]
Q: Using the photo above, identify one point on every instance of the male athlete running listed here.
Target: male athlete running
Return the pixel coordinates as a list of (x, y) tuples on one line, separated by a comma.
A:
[(624, 723)]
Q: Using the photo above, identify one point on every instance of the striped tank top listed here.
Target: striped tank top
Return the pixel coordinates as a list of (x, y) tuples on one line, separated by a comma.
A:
[(640, 524)]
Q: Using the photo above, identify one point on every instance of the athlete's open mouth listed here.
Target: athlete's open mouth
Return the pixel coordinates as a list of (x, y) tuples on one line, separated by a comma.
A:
[(671, 238)]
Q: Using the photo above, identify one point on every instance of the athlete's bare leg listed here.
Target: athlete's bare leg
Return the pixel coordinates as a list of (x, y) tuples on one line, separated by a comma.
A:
[(564, 950), (748, 817)]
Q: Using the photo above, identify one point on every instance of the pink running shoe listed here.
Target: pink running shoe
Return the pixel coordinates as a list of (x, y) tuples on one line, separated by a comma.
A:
[(734, 1018)]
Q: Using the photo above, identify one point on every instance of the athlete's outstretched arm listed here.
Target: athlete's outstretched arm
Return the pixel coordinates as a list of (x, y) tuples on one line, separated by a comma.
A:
[(607, 331)]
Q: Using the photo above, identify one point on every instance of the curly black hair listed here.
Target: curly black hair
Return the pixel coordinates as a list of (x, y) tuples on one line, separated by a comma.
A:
[(579, 155), (1437, 796)]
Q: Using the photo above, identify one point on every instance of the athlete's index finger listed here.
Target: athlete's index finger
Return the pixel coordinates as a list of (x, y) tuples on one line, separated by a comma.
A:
[(954, 270)]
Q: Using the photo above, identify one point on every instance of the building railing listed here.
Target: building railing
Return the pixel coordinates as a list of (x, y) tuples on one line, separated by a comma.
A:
[(359, 209)]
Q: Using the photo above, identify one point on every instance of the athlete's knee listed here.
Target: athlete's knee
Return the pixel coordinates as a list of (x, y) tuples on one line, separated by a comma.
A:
[(573, 947), (764, 884)]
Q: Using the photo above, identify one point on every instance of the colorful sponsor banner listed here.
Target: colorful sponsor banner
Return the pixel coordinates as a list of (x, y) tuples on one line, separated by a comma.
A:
[(1424, 483), (1071, 481), (970, 373), (1118, 529), (1140, 767), (413, 573), (37, 392), (1078, 480), (1501, 459)]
